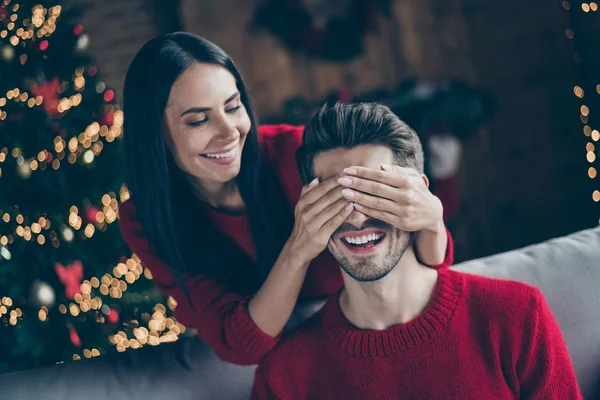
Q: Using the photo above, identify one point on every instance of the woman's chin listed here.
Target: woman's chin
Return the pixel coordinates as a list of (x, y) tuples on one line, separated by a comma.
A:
[(223, 175)]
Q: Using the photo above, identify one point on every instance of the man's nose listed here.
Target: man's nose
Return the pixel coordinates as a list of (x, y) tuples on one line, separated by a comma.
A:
[(357, 218)]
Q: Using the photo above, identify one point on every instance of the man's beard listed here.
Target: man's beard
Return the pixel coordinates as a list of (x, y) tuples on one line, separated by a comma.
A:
[(367, 268)]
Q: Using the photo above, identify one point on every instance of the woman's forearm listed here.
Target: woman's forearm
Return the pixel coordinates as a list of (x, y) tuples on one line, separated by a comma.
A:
[(272, 306), (431, 245)]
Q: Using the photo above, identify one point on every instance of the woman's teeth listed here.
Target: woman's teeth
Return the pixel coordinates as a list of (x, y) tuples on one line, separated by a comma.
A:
[(363, 239), (221, 155)]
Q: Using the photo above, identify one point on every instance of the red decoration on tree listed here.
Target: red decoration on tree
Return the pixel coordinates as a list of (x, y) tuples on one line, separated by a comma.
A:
[(113, 317), (49, 157), (49, 92), (90, 214), (70, 276), (109, 95), (74, 336), (78, 29), (108, 118), (43, 45)]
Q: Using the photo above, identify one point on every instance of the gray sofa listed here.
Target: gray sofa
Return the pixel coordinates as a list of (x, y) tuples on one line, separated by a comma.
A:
[(567, 270)]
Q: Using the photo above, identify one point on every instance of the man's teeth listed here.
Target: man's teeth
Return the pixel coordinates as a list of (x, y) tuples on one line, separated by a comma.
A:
[(363, 239), (221, 155)]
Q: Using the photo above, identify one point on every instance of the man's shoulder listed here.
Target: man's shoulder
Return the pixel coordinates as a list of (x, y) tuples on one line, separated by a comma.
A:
[(500, 298)]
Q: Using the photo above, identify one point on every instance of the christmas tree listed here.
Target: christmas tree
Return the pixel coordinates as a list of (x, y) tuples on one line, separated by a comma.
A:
[(69, 286)]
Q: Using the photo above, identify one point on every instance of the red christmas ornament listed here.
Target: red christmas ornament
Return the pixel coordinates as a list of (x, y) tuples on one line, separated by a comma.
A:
[(74, 336), (43, 45), (49, 157), (109, 95), (70, 276), (108, 119), (113, 317), (78, 29), (90, 214), (49, 92)]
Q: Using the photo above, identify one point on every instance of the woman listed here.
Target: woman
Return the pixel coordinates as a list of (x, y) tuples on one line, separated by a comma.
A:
[(215, 217)]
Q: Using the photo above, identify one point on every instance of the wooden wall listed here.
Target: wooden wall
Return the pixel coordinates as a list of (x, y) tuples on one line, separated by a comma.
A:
[(405, 45)]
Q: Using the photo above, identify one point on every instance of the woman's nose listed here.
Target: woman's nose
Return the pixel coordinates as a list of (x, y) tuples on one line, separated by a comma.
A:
[(228, 131)]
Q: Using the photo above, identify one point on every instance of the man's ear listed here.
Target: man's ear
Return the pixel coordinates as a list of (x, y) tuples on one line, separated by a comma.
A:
[(426, 180)]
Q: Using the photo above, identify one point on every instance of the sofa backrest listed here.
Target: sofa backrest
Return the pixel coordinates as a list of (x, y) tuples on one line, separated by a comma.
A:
[(567, 271)]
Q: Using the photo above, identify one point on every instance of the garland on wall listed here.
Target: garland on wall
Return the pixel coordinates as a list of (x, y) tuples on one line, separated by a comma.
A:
[(328, 31)]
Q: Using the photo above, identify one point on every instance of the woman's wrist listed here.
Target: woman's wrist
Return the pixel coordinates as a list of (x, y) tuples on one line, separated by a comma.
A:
[(437, 228), (294, 256), (431, 244)]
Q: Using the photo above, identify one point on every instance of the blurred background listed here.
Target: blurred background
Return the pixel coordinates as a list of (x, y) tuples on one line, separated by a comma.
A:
[(505, 96)]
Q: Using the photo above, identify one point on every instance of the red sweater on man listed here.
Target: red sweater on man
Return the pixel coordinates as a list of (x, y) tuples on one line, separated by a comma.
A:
[(479, 338), (221, 313)]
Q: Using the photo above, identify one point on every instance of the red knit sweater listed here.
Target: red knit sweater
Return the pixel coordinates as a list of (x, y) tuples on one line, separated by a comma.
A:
[(479, 338), (221, 316)]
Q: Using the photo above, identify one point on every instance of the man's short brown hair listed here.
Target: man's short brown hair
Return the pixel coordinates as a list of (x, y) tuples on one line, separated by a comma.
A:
[(351, 125)]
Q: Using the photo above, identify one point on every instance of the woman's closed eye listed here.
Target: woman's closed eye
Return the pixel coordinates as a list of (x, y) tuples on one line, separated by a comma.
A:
[(233, 109), (197, 123), (201, 122)]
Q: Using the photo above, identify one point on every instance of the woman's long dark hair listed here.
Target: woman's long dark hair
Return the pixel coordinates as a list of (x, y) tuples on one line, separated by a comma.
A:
[(160, 193)]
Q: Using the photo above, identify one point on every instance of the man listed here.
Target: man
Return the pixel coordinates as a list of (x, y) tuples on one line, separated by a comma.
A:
[(400, 330)]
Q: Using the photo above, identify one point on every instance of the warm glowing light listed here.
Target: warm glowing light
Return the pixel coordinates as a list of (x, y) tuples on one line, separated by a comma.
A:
[(585, 111), (589, 147)]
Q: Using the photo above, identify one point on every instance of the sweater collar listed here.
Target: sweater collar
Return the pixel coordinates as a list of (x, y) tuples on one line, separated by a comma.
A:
[(429, 323)]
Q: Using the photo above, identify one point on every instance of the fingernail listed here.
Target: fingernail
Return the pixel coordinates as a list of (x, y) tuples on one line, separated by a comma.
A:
[(358, 206), (386, 167), (345, 181), (350, 206), (350, 171), (348, 193), (314, 182)]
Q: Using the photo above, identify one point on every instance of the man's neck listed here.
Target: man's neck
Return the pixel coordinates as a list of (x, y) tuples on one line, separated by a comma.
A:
[(397, 298)]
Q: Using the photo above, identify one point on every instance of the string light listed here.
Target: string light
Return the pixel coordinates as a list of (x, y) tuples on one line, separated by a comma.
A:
[(107, 215), (78, 146), (64, 104), (586, 113)]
